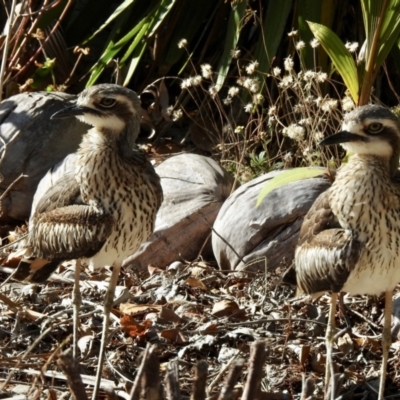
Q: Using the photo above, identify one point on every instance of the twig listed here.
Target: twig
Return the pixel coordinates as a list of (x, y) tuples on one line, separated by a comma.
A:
[(252, 388), (200, 380), (221, 372), (151, 377), (172, 381), (308, 387), (33, 345), (6, 45), (257, 322), (70, 367), (228, 392), (42, 44), (362, 317), (44, 9), (135, 392), (10, 186)]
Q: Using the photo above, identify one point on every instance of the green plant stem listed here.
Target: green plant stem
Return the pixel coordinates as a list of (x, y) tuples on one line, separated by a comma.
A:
[(370, 69)]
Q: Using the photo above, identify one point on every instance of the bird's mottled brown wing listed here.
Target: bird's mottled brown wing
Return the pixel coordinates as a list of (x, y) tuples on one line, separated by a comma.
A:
[(62, 228), (64, 192), (326, 253), (70, 232), (61, 234)]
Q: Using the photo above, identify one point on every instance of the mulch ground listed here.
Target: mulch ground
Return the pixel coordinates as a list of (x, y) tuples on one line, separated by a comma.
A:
[(190, 312)]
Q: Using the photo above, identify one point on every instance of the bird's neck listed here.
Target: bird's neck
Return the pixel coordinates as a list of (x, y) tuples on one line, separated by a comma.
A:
[(367, 164), (99, 139)]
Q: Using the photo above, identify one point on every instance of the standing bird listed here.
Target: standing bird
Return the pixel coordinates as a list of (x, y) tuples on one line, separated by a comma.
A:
[(350, 238), (104, 209)]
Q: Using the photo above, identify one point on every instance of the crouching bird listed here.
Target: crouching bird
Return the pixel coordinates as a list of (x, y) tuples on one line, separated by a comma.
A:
[(350, 238), (106, 208)]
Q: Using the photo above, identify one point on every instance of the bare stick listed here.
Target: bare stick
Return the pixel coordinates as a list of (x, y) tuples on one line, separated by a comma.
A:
[(252, 388), (6, 44), (151, 377), (172, 381), (199, 389), (70, 367), (221, 372), (308, 387), (228, 391), (13, 183), (135, 392)]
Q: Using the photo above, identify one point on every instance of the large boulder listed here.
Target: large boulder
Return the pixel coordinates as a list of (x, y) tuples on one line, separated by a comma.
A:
[(194, 189), (249, 238), (31, 143)]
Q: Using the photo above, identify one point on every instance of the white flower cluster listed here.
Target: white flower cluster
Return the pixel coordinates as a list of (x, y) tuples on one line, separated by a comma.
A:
[(295, 132), (192, 81), (329, 105), (347, 103), (309, 76), (351, 47), (251, 68), (206, 71), (288, 63), (286, 81), (253, 84), (182, 43), (235, 53)]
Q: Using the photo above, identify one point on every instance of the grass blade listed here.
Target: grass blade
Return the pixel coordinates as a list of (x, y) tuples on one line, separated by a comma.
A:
[(340, 56), (291, 175)]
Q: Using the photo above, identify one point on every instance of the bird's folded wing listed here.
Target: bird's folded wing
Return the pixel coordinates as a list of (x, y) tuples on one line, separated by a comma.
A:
[(69, 232), (326, 253), (64, 192)]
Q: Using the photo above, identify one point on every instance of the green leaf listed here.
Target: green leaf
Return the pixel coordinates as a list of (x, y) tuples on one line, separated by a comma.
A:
[(231, 40), (309, 10), (286, 177), (275, 21), (139, 44), (390, 31), (114, 15), (340, 56), (135, 39)]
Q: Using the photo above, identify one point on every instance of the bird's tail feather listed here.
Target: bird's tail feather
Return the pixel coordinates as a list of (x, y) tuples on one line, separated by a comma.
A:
[(35, 270)]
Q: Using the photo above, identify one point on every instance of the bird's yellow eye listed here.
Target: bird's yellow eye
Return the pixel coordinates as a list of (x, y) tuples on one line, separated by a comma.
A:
[(107, 102), (374, 127)]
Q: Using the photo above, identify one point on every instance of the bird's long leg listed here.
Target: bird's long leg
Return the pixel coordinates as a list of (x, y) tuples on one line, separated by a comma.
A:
[(77, 304), (330, 335), (386, 341), (108, 302)]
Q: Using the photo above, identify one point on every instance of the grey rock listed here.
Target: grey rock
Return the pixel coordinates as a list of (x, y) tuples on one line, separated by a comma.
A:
[(250, 238), (194, 189), (31, 143)]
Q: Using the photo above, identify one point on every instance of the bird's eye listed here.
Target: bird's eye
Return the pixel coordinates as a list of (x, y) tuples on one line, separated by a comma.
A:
[(375, 127), (107, 102)]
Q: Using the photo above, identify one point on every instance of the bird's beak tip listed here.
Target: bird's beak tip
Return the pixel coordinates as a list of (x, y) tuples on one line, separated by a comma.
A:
[(68, 112), (341, 137)]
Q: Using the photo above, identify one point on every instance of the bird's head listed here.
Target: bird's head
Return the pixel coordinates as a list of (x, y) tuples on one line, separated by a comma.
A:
[(369, 130), (107, 107)]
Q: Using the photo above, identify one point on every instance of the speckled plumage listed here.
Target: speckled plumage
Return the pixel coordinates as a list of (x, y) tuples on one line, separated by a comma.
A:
[(350, 238), (106, 208)]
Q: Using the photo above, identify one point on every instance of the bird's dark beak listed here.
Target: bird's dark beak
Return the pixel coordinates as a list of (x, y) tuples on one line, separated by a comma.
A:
[(342, 137), (71, 112)]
